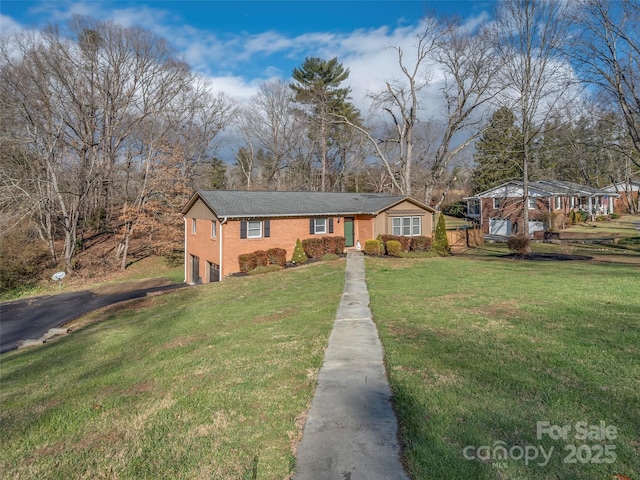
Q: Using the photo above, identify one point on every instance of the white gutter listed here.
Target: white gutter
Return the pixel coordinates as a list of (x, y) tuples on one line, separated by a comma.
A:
[(222, 222), (185, 249)]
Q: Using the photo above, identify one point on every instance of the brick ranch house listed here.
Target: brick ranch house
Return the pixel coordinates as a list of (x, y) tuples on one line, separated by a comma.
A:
[(499, 209), (220, 225), (629, 196)]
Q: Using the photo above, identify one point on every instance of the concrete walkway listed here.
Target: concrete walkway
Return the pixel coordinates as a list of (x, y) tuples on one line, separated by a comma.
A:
[(351, 429)]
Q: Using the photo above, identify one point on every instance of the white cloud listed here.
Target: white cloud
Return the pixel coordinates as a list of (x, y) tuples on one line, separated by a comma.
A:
[(239, 63), (9, 26)]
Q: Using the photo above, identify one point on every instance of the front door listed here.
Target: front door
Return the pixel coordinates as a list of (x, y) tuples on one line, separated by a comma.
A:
[(348, 232)]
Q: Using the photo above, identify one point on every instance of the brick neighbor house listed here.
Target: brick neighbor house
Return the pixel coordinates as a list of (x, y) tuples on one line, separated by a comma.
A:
[(628, 200), (220, 225), (499, 209)]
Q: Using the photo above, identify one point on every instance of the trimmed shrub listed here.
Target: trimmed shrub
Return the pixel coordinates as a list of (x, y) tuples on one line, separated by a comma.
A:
[(440, 241), (247, 262), (372, 247), (334, 245), (519, 244), (277, 256), (420, 244), (313, 247), (393, 248), (383, 250), (405, 242), (262, 259), (578, 216), (299, 257)]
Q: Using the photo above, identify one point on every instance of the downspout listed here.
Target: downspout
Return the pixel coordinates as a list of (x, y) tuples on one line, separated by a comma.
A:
[(185, 248), (222, 222)]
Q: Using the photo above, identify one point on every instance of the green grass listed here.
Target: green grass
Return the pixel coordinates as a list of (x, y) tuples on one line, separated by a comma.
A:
[(620, 227), (209, 382), (214, 381), (479, 349), (146, 268)]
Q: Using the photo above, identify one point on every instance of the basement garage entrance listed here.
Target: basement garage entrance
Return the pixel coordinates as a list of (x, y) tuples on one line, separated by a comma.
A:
[(499, 226)]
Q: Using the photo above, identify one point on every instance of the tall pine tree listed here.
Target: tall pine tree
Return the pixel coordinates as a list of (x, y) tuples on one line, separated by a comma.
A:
[(317, 83), (498, 156)]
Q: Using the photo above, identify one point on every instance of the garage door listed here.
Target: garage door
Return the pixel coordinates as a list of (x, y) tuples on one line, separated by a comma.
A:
[(535, 226), (499, 226)]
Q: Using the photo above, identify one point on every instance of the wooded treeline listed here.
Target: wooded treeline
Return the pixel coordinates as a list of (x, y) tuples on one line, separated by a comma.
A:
[(106, 127)]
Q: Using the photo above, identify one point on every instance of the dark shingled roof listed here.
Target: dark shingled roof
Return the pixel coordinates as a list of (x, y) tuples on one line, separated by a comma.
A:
[(253, 204)]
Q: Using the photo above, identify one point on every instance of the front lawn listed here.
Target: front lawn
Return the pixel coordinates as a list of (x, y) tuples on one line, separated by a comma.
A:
[(210, 382), (489, 359)]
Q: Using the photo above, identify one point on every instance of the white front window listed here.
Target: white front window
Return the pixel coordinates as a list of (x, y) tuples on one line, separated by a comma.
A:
[(416, 227), (193, 225), (406, 226), (213, 228), (532, 203), (254, 229), (320, 225)]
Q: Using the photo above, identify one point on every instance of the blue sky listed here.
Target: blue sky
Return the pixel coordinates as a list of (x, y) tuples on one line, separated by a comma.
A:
[(241, 44)]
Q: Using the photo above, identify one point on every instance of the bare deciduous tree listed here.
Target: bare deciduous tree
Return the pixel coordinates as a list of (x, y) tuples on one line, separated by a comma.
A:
[(535, 79), (82, 97), (606, 48), (401, 101), (469, 68)]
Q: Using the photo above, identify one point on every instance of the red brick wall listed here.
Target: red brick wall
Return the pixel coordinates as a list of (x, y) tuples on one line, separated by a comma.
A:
[(283, 234), (512, 210), (202, 245)]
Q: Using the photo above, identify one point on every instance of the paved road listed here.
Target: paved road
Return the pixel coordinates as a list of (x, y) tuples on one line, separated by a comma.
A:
[(33, 317)]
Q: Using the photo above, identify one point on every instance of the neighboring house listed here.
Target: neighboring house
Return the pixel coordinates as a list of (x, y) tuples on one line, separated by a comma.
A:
[(499, 209), (220, 225), (628, 200)]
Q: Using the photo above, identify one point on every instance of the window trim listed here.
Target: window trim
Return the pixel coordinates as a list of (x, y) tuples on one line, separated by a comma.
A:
[(316, 227), (414, 221), (498, 203), (313, 226), (214, 229), (194, 229), (249, 222)]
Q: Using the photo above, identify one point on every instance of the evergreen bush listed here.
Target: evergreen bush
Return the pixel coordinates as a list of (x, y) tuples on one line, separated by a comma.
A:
[(440, 242), (299, 257), (393, 248), (372, 247), (383, 250), (405, 242)]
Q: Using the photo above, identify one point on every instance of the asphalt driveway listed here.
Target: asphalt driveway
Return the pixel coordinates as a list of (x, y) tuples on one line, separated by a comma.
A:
[(33, 317)]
